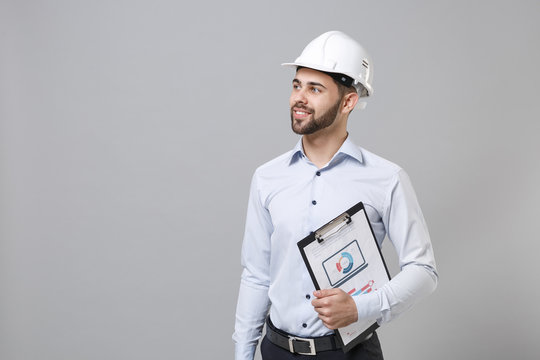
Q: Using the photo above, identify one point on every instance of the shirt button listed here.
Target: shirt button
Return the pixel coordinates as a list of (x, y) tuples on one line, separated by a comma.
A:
[(304, 325), (318, 173), (308, 297), (314, 202)]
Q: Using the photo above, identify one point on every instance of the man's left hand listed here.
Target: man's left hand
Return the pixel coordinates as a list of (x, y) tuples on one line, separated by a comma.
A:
[(335, 307)]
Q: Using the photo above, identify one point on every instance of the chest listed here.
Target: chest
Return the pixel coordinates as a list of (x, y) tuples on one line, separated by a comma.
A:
[(303, 201)]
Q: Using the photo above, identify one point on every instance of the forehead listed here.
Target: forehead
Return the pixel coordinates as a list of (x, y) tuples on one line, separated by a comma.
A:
[(307, 75)]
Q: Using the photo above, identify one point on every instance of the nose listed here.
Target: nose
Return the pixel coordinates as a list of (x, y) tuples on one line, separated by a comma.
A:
[(298, 96)]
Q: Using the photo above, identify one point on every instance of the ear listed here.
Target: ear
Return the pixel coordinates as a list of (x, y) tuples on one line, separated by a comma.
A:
[(349, 102)]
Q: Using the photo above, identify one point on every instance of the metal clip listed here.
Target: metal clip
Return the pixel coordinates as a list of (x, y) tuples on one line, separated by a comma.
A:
[(332, 227)]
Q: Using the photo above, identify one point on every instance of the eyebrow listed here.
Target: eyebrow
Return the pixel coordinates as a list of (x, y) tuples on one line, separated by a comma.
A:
[(312, 83)]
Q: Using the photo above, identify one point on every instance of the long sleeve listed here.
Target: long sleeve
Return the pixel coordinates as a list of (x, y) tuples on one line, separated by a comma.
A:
[(253, 303), (289, 198), (407, 231)]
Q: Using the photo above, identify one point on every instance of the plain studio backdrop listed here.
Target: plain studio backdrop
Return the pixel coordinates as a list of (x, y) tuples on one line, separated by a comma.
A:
[(129, 132)]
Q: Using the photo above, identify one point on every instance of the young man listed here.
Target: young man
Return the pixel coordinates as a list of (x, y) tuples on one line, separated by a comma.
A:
[(301, 190)]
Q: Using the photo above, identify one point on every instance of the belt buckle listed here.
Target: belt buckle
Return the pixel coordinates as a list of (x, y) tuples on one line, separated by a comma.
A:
[(310, 341)]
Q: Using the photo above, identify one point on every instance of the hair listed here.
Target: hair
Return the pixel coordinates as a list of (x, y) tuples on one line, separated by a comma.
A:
[(344, 90)]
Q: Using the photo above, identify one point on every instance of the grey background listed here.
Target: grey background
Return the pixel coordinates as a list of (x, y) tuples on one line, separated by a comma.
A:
[(129, 131)]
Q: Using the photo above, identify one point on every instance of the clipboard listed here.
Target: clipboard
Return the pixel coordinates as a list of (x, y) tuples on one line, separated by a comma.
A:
[(344, 254)]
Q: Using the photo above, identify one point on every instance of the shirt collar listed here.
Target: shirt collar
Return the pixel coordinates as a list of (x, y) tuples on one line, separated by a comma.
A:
[(347, 148), (350, 149), (297, 152)]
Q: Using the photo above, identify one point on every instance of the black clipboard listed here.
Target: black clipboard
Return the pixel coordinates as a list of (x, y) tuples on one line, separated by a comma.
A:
[(344, 253)]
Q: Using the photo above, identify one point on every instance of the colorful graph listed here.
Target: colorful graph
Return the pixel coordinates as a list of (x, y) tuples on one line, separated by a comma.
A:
[(364, 290), (345, 263)]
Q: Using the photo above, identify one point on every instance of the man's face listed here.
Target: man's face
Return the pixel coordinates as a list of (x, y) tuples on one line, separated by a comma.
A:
[(314, 101)]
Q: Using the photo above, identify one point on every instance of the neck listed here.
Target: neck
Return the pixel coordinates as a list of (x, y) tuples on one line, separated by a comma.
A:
[(320, 148)]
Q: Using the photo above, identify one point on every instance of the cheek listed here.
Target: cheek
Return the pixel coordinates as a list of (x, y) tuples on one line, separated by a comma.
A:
[(292, 100)]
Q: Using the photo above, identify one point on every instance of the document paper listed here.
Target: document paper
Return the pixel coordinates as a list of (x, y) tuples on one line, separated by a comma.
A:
[(348, 259)]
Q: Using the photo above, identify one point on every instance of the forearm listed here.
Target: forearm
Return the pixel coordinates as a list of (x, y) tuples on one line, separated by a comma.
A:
[(412, 284)]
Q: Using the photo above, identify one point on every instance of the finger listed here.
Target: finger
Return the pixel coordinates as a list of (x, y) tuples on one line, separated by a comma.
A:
[(326, 292), (327, 322), (320, 307), (330, 326), (323, 293), (317, 303), (323, 311), (324, 319)]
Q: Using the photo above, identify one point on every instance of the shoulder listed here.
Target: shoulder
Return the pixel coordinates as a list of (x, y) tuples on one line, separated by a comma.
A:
[(379, 164), (275, 166), (273, 175)]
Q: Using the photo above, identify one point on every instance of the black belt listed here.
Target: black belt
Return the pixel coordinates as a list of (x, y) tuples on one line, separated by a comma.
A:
[(298, 345)]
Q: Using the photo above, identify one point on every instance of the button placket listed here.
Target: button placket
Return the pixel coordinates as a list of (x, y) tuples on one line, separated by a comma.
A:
[(315, 187), (314, 193)]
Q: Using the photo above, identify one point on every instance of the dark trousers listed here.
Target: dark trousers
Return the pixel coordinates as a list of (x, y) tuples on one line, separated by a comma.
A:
[(367, 350)]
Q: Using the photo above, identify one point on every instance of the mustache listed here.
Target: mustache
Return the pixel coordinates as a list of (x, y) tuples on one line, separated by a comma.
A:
[(302, 107)]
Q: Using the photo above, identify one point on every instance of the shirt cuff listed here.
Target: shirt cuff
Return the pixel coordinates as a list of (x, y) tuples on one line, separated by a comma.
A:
[(368, 306), (244, 351)]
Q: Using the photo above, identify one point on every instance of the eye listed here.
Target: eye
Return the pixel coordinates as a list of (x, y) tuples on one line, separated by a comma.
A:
[(316, 90), (296, 86)]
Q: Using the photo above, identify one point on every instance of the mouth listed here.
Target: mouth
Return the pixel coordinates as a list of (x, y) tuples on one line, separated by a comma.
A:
[(300, 113)]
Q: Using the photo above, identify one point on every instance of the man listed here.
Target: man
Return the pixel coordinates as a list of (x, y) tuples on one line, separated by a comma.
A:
[(301, 190)]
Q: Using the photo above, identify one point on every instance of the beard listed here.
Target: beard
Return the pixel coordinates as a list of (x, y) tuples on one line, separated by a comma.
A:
[(316, 123)]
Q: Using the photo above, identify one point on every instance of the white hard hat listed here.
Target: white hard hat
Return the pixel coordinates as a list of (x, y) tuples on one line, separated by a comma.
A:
[(336, 52)]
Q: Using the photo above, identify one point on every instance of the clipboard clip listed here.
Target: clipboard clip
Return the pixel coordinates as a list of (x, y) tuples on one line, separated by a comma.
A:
[(332, 227)]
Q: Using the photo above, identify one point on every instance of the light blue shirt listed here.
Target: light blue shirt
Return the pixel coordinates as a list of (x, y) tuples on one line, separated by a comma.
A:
[(289, 198)]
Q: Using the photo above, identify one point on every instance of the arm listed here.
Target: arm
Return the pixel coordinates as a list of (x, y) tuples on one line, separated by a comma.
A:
[(407, 230), (253, 302)]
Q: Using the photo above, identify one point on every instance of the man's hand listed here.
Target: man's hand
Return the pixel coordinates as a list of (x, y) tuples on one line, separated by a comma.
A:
[(335, 307)]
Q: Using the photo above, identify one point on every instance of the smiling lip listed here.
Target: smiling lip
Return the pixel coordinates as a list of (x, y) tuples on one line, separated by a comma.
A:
[(300, 113)]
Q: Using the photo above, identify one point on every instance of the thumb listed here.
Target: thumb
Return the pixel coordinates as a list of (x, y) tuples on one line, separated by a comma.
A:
[(324, 292)]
